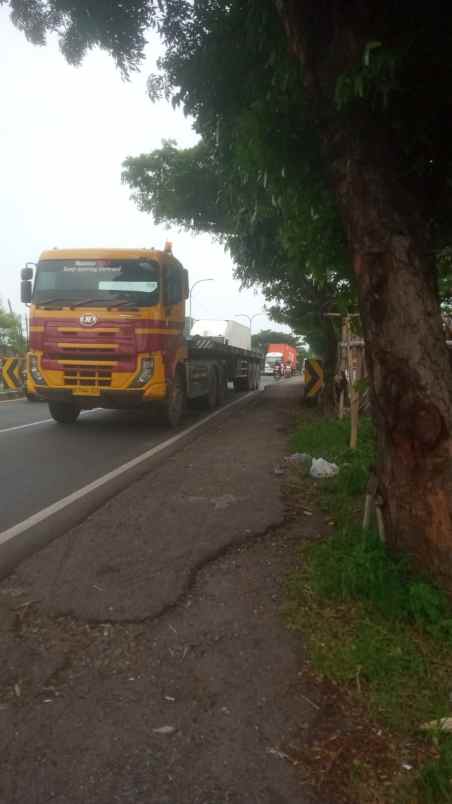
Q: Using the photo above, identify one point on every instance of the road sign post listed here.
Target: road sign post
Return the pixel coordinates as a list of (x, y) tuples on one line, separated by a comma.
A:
[(314, 379), (12, 372)]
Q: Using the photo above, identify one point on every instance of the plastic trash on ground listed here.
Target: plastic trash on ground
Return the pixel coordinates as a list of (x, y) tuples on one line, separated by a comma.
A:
[(321, 468), (299, 457)]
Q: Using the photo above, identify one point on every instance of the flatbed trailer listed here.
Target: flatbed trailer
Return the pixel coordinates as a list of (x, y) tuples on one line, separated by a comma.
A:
[(242, 367)]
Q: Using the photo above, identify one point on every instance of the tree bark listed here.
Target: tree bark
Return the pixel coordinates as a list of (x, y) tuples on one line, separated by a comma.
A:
[(407, 357), (406, 353)]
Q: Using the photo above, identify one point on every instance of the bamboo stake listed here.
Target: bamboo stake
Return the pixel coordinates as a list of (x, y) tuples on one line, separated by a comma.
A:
[(342, 366), (380, 521), (354, 403)]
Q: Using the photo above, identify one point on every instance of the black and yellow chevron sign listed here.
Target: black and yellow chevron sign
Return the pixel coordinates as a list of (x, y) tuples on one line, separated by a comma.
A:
[(12, 368), (313, 378)]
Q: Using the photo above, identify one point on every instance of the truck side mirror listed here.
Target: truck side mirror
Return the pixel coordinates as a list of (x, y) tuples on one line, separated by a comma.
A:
[(173, 290), (25, 291), (26, 273)]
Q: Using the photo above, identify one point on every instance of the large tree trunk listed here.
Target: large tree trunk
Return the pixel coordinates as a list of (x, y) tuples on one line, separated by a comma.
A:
[(406, 351), (407, 357)]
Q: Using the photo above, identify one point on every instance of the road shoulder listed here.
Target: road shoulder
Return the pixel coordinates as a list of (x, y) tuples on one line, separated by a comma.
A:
[(147, 660)]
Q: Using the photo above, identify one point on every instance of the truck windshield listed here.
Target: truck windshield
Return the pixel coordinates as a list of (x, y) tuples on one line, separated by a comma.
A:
[(92, 282)]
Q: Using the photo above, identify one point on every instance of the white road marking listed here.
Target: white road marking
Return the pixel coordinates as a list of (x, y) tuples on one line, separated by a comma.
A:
[(41, 421), (16, 399), (23, 426), (45, 513)]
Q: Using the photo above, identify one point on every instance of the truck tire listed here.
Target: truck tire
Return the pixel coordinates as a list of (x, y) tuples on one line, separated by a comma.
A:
[(210, 400), (248, 382), (252, 379), (176, 401), (221, 392), (64, 412), (257, 377)]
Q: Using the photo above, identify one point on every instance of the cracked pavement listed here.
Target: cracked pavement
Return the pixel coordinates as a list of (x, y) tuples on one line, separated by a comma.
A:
[(144, 656)]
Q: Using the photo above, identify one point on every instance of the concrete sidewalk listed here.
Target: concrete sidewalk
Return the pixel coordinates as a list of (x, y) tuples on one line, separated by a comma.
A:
[(145, 660)]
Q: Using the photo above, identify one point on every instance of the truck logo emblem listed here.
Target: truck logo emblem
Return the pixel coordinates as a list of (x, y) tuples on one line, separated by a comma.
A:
[(88, 320)]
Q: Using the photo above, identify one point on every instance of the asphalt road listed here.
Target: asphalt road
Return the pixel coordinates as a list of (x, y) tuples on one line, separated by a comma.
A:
[(42, 462)]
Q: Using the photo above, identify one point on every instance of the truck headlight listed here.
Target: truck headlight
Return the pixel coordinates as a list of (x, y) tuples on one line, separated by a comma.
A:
[(35, 371), (146, 371)]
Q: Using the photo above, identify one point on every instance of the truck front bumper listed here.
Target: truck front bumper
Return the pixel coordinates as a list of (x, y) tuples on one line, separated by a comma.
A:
[(105, 398)]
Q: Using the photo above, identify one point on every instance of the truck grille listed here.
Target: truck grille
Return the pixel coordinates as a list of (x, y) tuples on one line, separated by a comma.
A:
[(78, 377)]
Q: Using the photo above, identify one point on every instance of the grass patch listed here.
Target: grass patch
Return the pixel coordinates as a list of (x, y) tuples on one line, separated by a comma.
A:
[(372, 628), (434, 782), (370, 624), (329, 439)]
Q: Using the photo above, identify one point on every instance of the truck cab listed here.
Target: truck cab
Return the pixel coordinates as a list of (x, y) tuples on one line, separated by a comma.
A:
[(107, 329)]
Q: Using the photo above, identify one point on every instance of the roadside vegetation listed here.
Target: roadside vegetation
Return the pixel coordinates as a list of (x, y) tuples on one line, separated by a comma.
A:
[(373, 627), (12, 339)]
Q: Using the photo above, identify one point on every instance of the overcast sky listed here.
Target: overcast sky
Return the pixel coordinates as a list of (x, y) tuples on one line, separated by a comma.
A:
[(64, 133)]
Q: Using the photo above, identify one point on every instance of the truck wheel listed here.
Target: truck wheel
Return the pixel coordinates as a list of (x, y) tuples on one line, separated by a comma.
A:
[(64, 412), (253, 377), (221, 392), (257, 378), (211, 398), (175, 404), (248, 382)]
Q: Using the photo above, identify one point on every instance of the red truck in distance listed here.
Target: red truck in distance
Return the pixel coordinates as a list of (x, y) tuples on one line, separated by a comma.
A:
[(281, 353)]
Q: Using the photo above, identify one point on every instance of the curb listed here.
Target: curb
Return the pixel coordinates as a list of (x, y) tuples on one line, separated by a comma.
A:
[(5, 395)]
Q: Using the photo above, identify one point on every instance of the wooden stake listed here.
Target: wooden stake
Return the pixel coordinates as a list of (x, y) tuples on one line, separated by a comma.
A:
[(354, 402), (380, 521)]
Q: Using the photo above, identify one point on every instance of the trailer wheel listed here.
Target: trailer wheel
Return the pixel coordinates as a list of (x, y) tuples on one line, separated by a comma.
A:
[(257, 377), (176, 401), (253, 380), (210, 400), (249, 381), (221, 391), (64, 412)]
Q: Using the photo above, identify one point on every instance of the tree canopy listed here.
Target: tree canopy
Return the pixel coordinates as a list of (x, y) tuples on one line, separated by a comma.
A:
[(248, 181), (12, 340), (117, 27)]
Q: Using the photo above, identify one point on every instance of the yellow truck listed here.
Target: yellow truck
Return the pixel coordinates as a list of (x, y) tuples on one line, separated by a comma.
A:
[(107, 329)]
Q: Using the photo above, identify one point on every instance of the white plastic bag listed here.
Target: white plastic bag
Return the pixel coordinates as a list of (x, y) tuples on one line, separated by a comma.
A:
[(321, 468)]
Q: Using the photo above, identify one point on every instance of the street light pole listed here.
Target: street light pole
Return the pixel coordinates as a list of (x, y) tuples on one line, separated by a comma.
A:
[(249, 317), (191, 291)]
